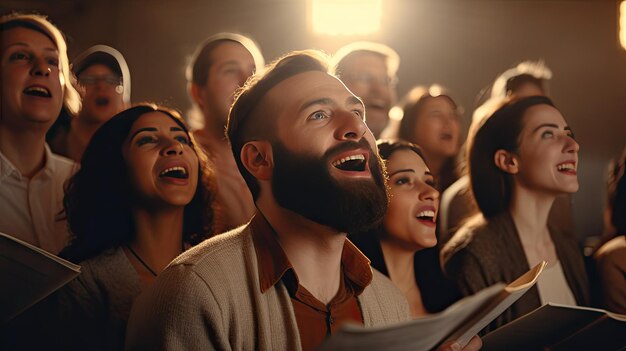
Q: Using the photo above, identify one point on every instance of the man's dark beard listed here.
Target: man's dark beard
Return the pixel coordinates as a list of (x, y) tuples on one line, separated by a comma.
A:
[(303, 184)]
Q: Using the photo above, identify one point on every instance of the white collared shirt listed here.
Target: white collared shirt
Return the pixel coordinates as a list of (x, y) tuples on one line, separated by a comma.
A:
[(31, 209), (553, 286)]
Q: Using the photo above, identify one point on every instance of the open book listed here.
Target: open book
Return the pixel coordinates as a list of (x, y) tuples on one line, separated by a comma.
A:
[(560, 327), (27, 275), (460, 322)]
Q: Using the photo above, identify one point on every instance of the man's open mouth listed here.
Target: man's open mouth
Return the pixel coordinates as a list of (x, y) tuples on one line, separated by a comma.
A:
[(354, 163)]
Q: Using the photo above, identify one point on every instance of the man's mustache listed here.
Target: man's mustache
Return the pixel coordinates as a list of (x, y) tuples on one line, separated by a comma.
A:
[(349, 145)]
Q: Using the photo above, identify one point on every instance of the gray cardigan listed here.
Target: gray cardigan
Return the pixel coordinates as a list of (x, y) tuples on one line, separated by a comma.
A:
[(209, 298), (94, 307), (485, 253)]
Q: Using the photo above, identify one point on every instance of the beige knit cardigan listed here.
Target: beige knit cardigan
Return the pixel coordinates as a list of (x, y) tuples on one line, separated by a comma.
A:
[(209, 298)]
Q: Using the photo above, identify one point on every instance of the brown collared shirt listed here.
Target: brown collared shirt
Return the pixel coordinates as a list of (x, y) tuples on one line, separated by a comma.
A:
[(315, 319)]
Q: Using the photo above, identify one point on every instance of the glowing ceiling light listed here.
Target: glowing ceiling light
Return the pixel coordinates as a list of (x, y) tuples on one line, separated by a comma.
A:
[(345, 17), (622, 24)]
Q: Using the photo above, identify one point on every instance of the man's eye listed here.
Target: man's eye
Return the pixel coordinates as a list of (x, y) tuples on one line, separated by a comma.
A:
[(182, 139), (358, 113), (318, 115), (145, 140), (547, 134)]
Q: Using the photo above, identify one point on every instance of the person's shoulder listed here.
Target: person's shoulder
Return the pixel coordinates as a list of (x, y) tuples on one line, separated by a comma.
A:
[(216, 258), (381, 284), (612, 250), (110, 267), (383, 302), (468, 237), (63, 165)]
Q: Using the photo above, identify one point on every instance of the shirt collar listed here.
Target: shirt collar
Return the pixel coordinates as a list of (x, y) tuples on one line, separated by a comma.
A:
[(7, 168), (49, 167), (273, 262)]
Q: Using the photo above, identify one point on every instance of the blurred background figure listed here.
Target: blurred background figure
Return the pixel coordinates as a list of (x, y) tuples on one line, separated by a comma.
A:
[(104, 85), (369, 71), (431, 119), (221, 65), (611, 256), (36, 86)]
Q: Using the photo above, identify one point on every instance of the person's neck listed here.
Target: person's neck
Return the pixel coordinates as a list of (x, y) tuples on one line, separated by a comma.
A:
[(400, 264), (214, 128), (158, 236), (24, 148), (314, 250), (529, 210)]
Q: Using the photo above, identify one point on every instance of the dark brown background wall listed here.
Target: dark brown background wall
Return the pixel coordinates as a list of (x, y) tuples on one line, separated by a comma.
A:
[(462, 45)]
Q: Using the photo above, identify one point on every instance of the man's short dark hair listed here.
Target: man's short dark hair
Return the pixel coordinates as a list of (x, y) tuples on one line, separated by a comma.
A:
[(246, 122)]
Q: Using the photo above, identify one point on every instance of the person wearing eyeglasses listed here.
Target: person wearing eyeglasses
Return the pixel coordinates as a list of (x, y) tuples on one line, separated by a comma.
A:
[(369, 70), (104, 84)]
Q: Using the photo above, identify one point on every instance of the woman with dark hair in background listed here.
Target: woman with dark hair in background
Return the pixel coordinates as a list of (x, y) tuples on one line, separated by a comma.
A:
[(142, 196), (409, 223), (611, 256), (520, 160)]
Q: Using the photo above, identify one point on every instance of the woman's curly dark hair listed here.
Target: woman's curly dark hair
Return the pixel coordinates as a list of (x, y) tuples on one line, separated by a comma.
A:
[(98, 198)]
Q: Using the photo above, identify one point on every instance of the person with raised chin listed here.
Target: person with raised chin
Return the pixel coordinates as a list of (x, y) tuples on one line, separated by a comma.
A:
[(289, 278)]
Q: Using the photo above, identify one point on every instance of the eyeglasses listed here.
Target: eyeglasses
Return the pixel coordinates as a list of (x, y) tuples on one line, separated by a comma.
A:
[(109, 79)]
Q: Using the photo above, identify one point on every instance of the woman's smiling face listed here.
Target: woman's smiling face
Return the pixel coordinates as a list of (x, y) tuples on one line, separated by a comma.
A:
[(412, 213), (162, 166), (547, 152)]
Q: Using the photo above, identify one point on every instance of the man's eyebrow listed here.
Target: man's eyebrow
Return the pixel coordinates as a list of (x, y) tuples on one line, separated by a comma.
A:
[(147, 129), (176, 129), (402, 170), (320, 101)]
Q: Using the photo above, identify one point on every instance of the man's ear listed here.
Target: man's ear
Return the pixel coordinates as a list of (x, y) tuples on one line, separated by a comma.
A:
[(257, 157), (196, 93), (506, 161)]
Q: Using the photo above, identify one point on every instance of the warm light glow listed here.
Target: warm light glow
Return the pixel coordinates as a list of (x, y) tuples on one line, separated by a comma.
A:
[(396, 113), (345, 17), (622, 24), (435, 90)]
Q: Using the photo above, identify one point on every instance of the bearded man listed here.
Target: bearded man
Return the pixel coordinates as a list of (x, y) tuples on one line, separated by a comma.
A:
[(290, 277)]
